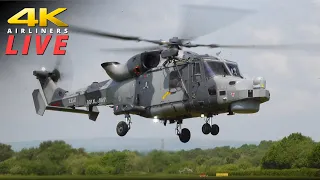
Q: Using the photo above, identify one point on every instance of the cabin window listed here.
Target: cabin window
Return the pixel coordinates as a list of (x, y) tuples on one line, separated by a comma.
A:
[(174, 80), (196, 72), (215, 68)]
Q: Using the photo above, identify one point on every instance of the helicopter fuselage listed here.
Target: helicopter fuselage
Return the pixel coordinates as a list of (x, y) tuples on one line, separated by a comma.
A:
[(177, 91)]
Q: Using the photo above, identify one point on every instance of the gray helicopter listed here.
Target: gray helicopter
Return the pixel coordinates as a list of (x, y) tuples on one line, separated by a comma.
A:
[(166, 84)]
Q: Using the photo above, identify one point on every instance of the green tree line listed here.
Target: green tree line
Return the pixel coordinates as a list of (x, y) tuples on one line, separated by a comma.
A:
[(294, 155)]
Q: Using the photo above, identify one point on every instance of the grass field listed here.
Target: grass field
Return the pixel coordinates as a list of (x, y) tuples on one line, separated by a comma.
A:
[(147, 177)]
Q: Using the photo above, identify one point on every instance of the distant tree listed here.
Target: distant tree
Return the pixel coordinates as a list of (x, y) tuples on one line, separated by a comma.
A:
[(94, 170), (81, 151), (76, 164), (56, 151), (115, 159), (58, 157), (314, 157), (45, 145), (6, 165), (5, 152), (28, 154), (290, 152)]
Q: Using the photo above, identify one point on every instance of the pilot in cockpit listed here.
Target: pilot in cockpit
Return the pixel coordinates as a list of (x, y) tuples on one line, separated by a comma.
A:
[(234, 71)]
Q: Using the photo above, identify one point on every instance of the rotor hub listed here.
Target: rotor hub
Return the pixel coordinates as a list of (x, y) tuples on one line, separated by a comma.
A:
[(175, 40), (55, 75)]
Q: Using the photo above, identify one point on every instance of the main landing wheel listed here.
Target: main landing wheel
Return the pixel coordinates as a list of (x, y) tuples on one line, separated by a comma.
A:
[(206, 128), (122, 128), (185, 135), (215, 129)]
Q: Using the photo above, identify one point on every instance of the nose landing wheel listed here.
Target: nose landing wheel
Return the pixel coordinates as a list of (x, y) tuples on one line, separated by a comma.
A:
[(208, 128)]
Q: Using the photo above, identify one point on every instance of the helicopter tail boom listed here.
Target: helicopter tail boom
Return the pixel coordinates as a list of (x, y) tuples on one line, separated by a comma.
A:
[(41, 106)]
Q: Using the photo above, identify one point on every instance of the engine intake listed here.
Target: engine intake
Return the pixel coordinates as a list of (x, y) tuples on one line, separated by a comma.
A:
[(134, 67)]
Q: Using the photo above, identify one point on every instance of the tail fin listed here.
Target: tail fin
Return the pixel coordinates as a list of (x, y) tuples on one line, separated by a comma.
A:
[(50, 90), (39, 103), (53, 94)]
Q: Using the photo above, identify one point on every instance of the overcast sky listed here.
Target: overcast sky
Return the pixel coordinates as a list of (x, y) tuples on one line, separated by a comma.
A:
[(292, 76)]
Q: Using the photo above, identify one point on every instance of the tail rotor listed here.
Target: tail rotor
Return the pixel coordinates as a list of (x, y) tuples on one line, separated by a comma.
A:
[(60, 71)]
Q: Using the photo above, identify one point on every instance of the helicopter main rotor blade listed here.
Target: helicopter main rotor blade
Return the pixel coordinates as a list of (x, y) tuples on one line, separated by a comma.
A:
[(200, 20), (276, 46), (136, 49), (81, 30)]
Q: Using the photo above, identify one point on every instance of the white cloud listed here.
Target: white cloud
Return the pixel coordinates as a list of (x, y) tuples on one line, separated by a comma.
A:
[(297, 100), (308, 66), (310, 31), (270, 62), (311, 28), (267, 35), (316, 2)]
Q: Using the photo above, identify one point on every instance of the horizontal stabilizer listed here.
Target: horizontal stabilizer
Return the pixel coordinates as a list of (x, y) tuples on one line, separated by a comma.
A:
[(38, 101), (92, 114), (41, 106)]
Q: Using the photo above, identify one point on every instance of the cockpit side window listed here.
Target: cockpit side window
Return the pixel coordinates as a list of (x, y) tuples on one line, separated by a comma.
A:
[(174, 79), (215, 68), (234, 69), (196, 72), (196, 68)]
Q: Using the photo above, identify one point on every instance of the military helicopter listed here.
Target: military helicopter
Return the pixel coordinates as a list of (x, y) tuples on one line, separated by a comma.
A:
[(168, 85), (163, 83)]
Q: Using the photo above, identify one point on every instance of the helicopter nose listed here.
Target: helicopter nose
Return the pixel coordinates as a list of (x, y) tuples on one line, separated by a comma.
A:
[(259, 82)]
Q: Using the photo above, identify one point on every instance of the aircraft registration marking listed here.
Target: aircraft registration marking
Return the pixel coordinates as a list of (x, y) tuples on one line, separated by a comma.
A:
[(99, 101)]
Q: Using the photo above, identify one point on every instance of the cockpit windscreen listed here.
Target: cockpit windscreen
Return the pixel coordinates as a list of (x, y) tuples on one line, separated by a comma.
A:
[(234, 69), (215, 68)]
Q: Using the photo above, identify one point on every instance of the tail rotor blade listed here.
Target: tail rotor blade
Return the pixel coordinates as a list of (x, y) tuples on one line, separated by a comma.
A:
[(58, 62), (65, 68)]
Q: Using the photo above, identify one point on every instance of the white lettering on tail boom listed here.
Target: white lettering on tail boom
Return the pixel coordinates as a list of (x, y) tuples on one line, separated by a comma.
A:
[(93, 101), (72, 100)]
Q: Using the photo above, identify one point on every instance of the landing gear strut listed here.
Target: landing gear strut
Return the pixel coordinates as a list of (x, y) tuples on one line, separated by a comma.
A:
[(184, 134), (124, 126), (210, 128)]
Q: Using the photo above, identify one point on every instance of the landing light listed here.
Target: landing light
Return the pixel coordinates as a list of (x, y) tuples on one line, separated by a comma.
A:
[(202, 115), (155, 119), (43, 69)]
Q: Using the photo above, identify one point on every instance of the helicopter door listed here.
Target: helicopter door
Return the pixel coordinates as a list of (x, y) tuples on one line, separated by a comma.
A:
[(144, 90), (198, 96)]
